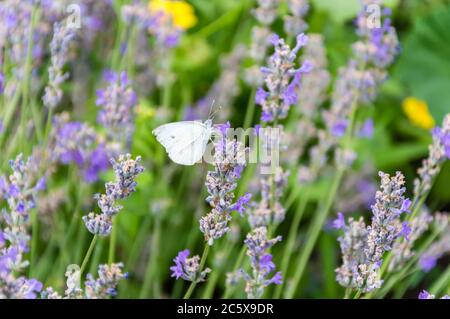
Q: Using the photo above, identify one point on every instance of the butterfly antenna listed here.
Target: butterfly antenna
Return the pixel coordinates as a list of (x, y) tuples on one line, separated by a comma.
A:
[(211, 108), (216, 111)]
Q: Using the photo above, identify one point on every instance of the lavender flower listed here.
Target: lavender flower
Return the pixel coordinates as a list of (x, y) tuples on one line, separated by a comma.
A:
[(77, 143), (126, 169), (440, 247), (281, 79), (357, 191), (295, 24), (402, 250), (439, 152), (265, 13), (261, 262), (117, 102), (103, 287), (366, 129), (270, 209), (15, 37), (314, 86), (19, 190), (229, 161), (188, 268), (59, 47), (358, 82), (426, 295), (363, 247)]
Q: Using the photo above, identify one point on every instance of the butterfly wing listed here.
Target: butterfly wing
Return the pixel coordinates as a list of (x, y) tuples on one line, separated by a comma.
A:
[(185, 141)]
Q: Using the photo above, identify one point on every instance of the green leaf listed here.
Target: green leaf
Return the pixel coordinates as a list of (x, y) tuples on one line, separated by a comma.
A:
[(339, 10)]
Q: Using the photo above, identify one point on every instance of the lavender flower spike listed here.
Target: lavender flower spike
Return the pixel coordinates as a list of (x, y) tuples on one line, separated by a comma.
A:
[(59, 46), (126, 170), (229, 161), (281, 79), (363, 247), (117, 102), (261, 262), (439, 152), (19, 190)]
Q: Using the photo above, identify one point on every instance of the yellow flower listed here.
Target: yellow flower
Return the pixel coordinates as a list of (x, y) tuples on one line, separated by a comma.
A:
[(181, 12), (417, 112)]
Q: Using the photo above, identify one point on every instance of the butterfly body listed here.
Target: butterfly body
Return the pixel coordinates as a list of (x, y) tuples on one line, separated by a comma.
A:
[(185, 142)]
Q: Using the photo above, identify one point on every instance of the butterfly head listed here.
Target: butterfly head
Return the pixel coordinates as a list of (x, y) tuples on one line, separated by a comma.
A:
[(208, 123)]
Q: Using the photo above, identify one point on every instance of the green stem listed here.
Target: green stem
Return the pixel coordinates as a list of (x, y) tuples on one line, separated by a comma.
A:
[(88, 255), (202, 264), (313, 235), (357, 295), (442, 283), (212, 281), (293, 230), (167, 94), (250, 109), (151, 274)]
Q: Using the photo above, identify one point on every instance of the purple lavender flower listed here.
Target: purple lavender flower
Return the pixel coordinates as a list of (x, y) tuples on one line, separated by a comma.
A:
[(76, 142), (426, 295), (295, 23), (14, 237), (339, 222), (126, 170), (366, 129), (339, 128), (281, 79), (59, 46), (359, 80), (240, 205), (229, 161), (405, 206), (439, 152), (436, 250), (188, 268), (427, 263), (102, 287), (403, 250), (363, 247), (261, 262), (179, 260), (105, 286), (406, 230), (117, 102)]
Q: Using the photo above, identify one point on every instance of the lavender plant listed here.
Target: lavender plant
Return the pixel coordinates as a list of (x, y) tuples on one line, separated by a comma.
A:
[(71, 125), (363, 246), (19, 190)]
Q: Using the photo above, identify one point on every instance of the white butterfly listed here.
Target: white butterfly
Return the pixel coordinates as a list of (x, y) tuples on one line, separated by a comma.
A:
[(185, 142)]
